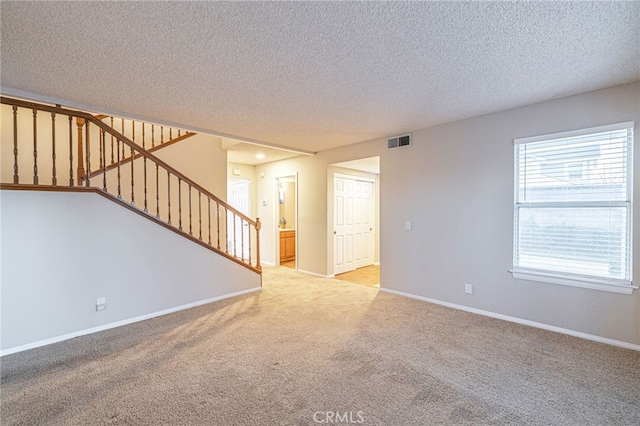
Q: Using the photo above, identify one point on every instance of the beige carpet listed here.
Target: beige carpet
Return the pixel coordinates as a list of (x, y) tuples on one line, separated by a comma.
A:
[(307, 347)]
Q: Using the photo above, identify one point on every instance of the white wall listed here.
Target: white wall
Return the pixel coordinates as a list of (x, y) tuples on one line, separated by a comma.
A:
[(456, 185), (201, 159), (61, 251)]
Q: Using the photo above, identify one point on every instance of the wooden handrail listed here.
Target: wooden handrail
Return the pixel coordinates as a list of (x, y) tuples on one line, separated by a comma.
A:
[(128, 142), (236, 247), (139, 155)]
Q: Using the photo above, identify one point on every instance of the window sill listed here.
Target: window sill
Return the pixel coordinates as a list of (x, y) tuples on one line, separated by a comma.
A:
[(573, 281)]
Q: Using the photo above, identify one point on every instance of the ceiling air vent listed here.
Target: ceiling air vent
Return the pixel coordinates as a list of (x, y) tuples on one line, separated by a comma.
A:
[(399, 141)]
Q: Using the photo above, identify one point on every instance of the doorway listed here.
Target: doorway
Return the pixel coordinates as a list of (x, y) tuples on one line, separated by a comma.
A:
[(354, 215), (287, 223), (353, 237), (239, 247)]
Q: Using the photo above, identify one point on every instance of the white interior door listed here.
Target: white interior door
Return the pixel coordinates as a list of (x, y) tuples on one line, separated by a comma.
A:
[(353, 223), (238, 227), (363, 221)]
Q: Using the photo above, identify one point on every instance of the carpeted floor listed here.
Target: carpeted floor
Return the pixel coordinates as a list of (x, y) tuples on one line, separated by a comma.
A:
[(307, 350)]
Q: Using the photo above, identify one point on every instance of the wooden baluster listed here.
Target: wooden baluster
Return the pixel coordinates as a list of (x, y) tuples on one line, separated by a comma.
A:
[(124, 154), (226, 230), (209, 216), (133, 138), (249, 240), (35, 147), (242, 238), (112, 142), (161, 135), (218, 222), (16, 178), (200, 215), (169, 195), (157, 193), (80, 124), (133, 195), (190, 230), (119, 180), (104, 162), (144, 161), (71, 151), (54, 179), (170, 133), (88, 172), (178, 132), (235, 238), (258, 227), (180, 203), (153, 135), (101, 147)]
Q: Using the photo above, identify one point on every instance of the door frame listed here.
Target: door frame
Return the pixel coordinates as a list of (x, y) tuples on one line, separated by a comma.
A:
[(276, 215)]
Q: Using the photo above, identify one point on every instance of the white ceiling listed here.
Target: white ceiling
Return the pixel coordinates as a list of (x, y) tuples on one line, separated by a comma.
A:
[(252, 154), (314, 75)]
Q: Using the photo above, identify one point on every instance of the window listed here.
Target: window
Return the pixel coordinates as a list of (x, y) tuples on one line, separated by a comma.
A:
[(572, 210)]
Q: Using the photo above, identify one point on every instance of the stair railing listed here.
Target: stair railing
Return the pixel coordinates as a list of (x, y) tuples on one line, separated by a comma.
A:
[(150, 136), (137, 179)]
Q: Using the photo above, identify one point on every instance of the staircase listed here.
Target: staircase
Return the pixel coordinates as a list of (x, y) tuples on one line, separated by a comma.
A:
[(150, 136), (50, 148)]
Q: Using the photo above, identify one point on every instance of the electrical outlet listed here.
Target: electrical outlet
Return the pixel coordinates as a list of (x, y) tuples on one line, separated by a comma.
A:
[(101, 303), (407, 225), (468, 288)]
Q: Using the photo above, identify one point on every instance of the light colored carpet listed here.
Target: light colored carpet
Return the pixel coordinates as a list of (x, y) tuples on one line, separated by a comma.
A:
[(305, 346)]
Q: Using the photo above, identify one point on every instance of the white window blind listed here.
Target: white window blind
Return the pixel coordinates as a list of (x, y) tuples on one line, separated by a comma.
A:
[(573, 205)]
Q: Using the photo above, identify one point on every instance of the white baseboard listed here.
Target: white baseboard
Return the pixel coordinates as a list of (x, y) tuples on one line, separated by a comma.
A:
[(262, 262), (517, 320), (314, 274), (120, 323)]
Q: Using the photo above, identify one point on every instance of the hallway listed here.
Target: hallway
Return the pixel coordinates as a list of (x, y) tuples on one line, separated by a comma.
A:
[(368, 275)]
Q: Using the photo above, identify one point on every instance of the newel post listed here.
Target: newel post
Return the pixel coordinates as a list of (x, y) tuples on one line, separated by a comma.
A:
[(81, 173), (258, 226)]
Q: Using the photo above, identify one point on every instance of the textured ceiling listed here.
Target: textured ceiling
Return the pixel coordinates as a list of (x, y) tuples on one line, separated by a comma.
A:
[(247, 153), (314, 75)]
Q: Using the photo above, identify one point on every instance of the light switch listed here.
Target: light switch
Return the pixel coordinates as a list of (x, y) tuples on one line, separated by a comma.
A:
[(407, 225), (101, 303)]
